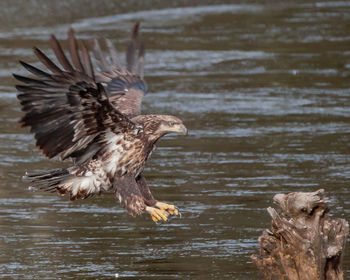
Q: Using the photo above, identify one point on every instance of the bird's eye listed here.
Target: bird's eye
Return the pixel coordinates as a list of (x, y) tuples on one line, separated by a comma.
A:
[(171, 124)]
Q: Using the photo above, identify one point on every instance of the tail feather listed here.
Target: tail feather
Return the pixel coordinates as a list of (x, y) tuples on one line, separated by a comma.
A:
[(65, 181), (49, 179)]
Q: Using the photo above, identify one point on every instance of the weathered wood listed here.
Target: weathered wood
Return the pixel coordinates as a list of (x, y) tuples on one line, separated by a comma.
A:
[(304, 243)]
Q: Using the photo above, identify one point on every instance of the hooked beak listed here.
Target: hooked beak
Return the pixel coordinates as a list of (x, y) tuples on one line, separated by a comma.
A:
[(180, 128)]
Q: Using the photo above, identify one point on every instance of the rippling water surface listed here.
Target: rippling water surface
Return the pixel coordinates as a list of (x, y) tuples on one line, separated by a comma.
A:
[(265, 92)]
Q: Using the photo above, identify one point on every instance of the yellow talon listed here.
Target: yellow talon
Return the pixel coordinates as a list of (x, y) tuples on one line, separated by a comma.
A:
[(157, 214), (171, 209)]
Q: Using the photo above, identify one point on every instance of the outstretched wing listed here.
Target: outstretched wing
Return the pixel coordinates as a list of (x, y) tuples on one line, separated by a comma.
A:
[(125, 88), (67, 109)]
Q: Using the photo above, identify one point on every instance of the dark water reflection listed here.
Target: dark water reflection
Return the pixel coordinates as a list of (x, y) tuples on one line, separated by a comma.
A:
[(264, 90)]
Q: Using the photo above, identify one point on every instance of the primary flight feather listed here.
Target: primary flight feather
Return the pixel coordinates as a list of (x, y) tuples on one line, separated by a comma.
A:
[(94, 119)]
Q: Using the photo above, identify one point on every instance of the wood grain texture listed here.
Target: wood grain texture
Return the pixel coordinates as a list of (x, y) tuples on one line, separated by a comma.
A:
[(304, 242)]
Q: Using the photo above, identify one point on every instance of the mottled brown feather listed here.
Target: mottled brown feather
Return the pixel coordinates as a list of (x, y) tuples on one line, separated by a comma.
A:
[(68, 109), (71, 115)]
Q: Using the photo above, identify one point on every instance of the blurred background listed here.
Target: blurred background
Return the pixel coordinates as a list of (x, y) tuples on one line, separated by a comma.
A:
[(264, 89)]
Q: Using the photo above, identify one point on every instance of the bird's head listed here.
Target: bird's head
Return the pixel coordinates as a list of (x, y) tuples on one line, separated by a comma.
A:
[(156, 126), (170, 124)]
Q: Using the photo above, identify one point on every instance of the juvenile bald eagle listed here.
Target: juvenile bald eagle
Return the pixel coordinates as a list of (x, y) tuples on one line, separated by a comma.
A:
[(93, 118)]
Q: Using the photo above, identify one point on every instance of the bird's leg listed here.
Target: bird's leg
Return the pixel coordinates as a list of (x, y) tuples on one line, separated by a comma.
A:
[(157, 214), (171, 209)]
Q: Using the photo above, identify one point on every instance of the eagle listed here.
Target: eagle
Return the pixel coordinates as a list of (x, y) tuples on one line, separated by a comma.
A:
[(91, 116)]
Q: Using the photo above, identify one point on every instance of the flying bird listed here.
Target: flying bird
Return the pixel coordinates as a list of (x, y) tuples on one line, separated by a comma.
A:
[(93, 118)]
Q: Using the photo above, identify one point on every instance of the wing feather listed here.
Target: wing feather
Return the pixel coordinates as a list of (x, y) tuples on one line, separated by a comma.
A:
[(100, 57), (73, 48), (68, 109), (113, 54), (125, 88), (131, 49), (86, 61), (35, 70), (60, 54), (46, 61), (141, 60)]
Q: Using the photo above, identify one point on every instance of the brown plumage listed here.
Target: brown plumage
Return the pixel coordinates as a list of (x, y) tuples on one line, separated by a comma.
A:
[(93, 118)]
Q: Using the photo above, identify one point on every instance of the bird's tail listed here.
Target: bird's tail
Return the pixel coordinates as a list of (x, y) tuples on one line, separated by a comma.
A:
[(48, 180), (65, 181)]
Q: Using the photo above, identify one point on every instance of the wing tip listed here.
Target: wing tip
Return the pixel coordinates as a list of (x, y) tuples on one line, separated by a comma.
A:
[(26, 65), (135, 30), (17, 77), (20, 88), (71, 30), (22, 63), (37, 50)]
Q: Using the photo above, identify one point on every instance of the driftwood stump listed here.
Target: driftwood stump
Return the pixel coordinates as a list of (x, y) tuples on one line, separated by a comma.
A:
[(304, 242)]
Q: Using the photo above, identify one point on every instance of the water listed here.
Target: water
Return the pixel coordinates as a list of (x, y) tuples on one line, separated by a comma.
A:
[(264, 91)]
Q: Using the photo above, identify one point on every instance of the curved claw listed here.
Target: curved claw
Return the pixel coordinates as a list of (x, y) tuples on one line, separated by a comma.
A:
[(157, 215), (171, 209), (178, 213), (175, 212)]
